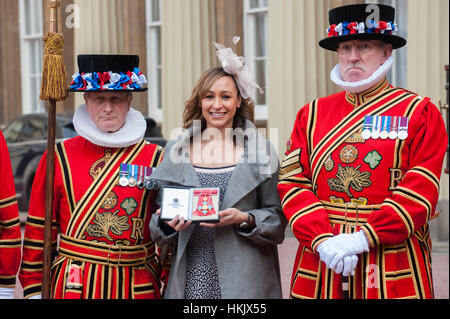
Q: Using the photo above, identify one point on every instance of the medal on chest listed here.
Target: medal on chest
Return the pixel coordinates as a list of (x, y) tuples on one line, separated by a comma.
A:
[(140, 180), (385, 127), (148, 182), (385, 123), (403, 128), (393, 128), (123, 179), (376, 127), (137, 176), (367, 127), (132, 175)]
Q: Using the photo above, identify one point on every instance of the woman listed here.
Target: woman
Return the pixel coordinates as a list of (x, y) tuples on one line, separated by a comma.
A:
[(237, 257)]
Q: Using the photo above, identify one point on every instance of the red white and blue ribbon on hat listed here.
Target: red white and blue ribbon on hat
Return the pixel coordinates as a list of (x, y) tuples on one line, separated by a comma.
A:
[(98, 81), (347, 28)]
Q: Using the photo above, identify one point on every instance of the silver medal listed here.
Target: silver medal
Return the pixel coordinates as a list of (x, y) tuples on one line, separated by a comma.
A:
[(365, 134), (403, 135), (367, 127), (132, 179), (393, 135), (393, 129), (376, 127), (384, 133), (403, 128), (123, 180)]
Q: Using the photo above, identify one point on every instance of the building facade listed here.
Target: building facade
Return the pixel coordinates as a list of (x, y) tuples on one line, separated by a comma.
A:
[(174, 41)]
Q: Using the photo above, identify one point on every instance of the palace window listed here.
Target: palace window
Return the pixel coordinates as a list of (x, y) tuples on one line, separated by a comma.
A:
[(31, 54), (153, 17), (255, 34)]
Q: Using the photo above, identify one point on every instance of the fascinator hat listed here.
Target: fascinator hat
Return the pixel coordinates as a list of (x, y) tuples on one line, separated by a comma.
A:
[(234, 65)]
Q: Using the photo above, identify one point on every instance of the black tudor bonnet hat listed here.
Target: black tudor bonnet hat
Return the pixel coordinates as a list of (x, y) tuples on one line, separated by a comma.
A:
[(103, 73), (362, 21)]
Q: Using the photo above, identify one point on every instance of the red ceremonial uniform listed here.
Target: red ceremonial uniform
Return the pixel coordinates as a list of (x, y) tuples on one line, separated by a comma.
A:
[(334, 181), (10, 237), (105, 249)]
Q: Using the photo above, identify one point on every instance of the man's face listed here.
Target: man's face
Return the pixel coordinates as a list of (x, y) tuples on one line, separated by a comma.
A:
[(359, 59), (108, 110)]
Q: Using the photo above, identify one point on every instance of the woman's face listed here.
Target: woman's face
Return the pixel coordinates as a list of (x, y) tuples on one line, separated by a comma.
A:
[(220, 103)]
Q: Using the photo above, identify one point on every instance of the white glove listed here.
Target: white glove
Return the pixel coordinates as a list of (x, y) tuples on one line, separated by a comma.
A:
[(6, 293), (347, 266), (327, 250), (348, 245), (36, 297)]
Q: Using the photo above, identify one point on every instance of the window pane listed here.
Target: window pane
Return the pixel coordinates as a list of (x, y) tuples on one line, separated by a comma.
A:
[(154, 58), (27, 15), (158, 89), (259, 44), (34, 93), (260, 78), (37, 18), (256, 44), (155, 45), (255, 4), (155, 10), (37, 60), (31, 47)]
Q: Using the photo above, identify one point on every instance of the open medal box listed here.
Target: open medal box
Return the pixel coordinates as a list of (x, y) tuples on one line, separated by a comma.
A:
[(196, 204)]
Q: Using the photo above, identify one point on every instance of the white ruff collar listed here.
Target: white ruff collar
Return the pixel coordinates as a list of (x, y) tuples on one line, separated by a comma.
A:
[(361, 86), (131, 132)]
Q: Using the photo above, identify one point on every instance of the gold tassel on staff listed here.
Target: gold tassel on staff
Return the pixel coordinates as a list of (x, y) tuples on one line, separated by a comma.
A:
[(54, 85), (54, 88)]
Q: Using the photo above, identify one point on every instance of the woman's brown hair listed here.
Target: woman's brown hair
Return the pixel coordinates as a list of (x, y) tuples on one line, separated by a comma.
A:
[(193, 110)]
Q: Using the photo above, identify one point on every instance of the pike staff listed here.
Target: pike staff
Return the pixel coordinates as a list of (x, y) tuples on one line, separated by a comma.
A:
[(54, 88)]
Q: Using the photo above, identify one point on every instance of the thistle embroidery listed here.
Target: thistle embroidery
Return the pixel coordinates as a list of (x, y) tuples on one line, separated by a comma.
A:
[(107, 222), (349, 177)]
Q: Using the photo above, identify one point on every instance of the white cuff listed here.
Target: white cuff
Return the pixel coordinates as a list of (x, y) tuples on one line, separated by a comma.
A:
[(362, 241), (6, 293)]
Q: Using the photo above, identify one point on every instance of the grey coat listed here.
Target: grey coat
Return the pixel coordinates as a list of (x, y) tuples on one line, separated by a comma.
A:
[(247, 262)]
